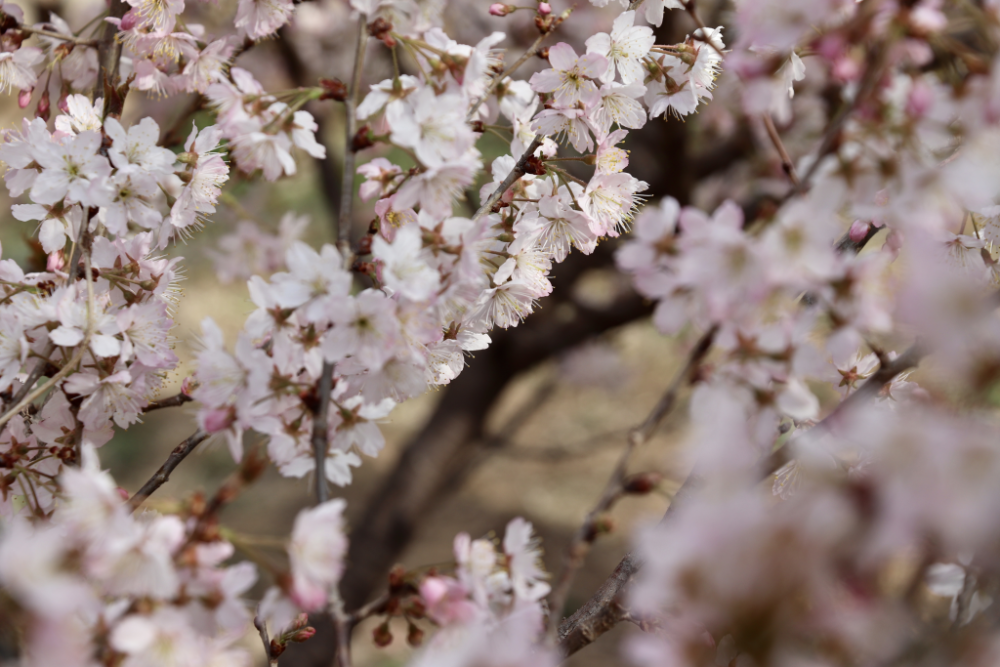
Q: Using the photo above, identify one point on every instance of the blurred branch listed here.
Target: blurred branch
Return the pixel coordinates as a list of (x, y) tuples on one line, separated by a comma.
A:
[(161, 476), (602, 612), (786, 161), (320, 439), (344, 219), (170, 402), (261, 626)]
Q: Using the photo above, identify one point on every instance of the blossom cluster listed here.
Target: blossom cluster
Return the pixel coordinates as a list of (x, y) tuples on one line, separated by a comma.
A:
[(871, 477)]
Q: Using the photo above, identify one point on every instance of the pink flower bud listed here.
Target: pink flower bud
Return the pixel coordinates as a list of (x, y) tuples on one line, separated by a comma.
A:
[(302, 635), (122, 493), (24, 98), (129, 20), (859, 229), (42, 110), (544, 8), (55, 262), (920, 100), (217, 419), (187, 385), (498, 9), (64, 102)]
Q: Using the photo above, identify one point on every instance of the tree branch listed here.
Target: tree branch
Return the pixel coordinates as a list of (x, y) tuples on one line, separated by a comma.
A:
[(320, 439), (170, 402), (161, 476)]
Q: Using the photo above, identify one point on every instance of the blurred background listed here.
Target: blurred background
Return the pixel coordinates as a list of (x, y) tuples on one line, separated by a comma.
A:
[(535, 424)]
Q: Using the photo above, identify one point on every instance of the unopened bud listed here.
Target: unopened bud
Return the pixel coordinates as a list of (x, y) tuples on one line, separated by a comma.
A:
[(544, 8), (333, 89), (218, 419), (500, 9), (24, 98), (129, 21), (63, 104), (43, 108), (858, 231), (414, 636), (382, 635), (302, 634), (55, 261), (643, 483)]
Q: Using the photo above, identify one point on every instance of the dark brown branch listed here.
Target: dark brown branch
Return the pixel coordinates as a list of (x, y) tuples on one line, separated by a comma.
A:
[(161, 476), (109, 51), (320, 441), (169, 402)]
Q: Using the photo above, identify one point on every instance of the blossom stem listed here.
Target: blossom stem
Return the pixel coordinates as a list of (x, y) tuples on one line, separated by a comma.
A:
[(786, 161), (261, 626), (55, 35), (343, 229), (160, 477)]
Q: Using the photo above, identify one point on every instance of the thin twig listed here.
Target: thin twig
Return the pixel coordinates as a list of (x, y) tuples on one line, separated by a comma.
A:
[(374, 607), (342, 626), (320, 440), (261, 626), (55, 35), (532, 50), (580, 544), (515, 173), (868, 82), (343, 232), (161, 476), (169, 402), (786, 161), (603, 610)]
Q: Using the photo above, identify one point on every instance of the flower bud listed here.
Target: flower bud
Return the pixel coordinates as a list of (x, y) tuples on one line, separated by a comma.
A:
[(217, 419), (544, 8), (55, 261), (42, 110), (499, 9), (302, 635), (858, 231), (129, 21), (382, 635), (642, 483), (414, 636), (63, 104), (24, 98)]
